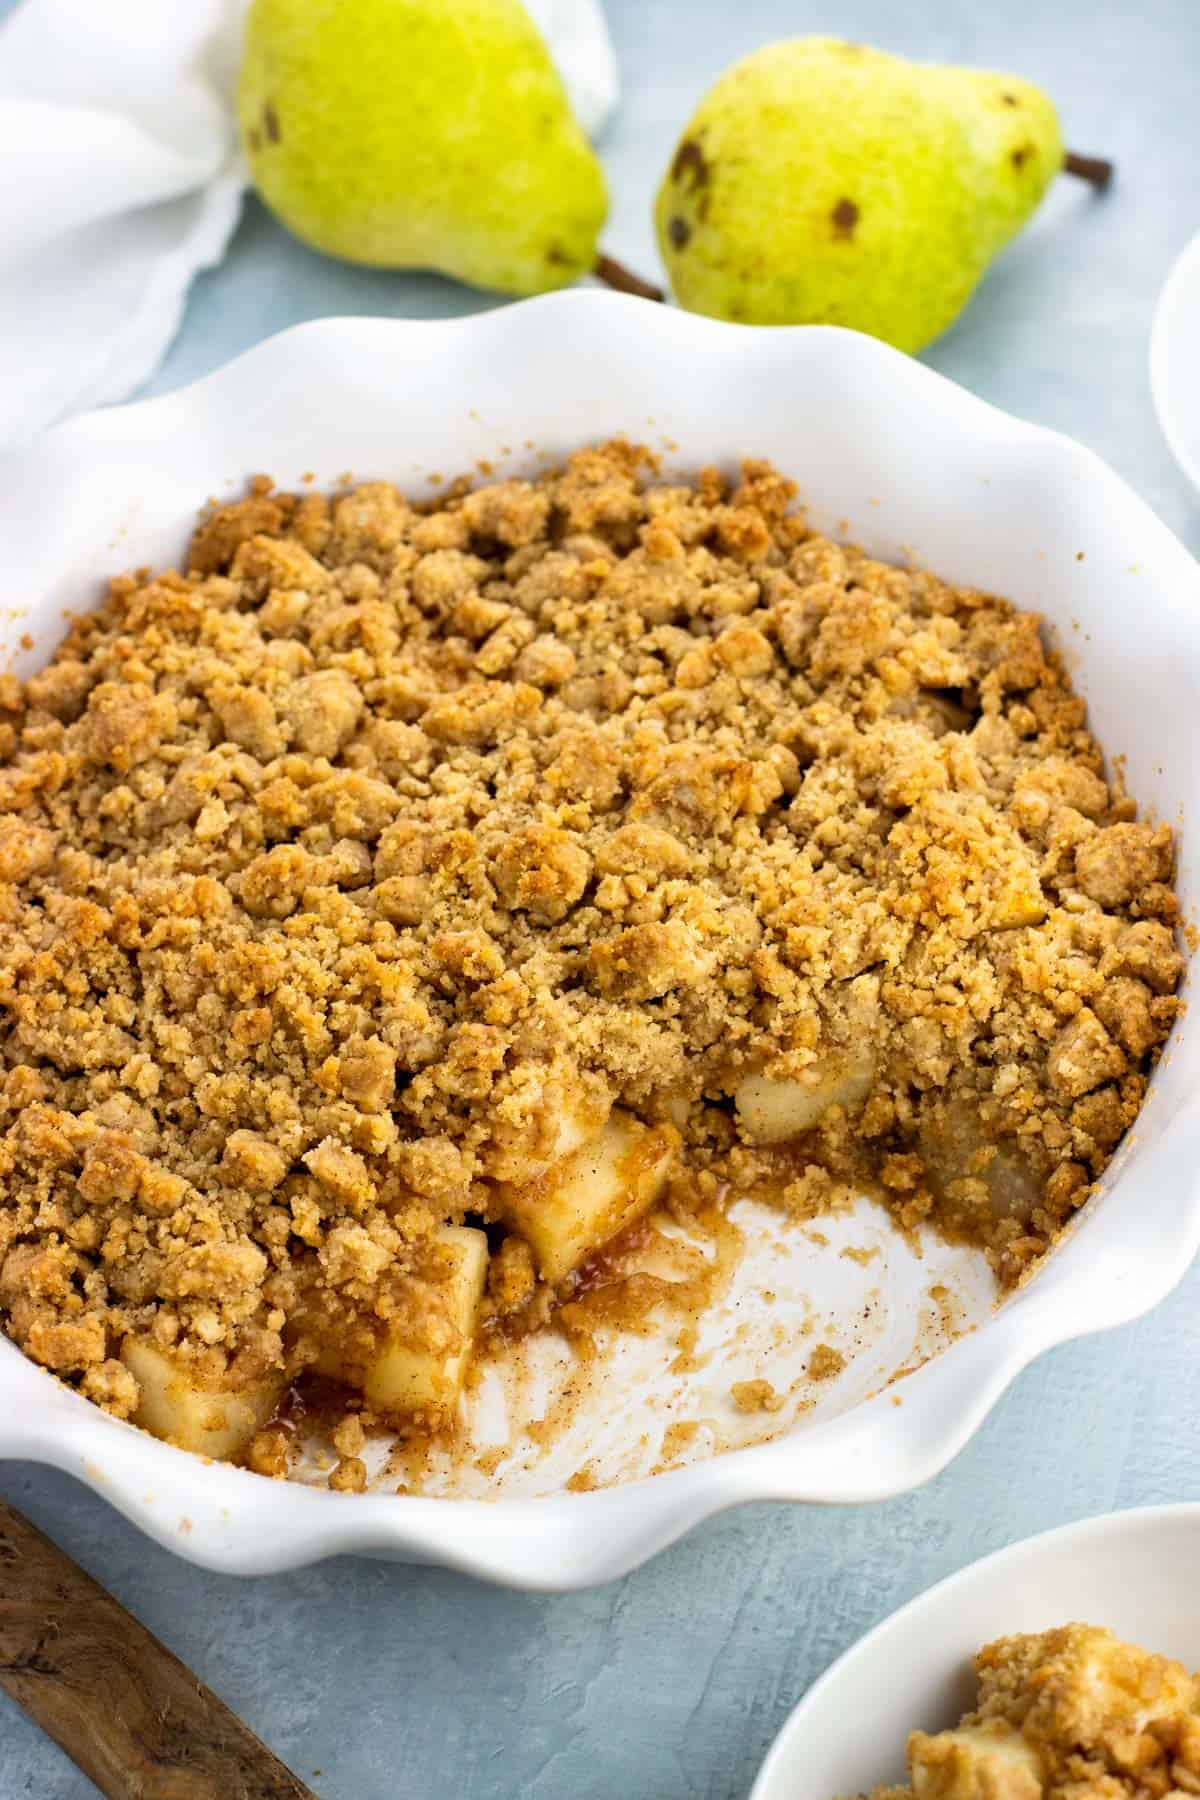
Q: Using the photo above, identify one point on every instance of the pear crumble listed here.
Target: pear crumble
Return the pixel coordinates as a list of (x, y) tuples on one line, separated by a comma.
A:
[(1068, 1714), (404, 899)]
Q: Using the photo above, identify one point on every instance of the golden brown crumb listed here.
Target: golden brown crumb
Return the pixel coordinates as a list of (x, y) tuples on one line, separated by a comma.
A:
[(825, 1362), (269, 1453), (511, 1277), (755, 1396), (1068, 1714), (349, 1476), (333, 869), (349, 1436)]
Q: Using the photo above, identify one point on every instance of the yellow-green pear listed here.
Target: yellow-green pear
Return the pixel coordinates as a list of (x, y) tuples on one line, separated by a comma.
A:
[(822, 182), (420, 134)]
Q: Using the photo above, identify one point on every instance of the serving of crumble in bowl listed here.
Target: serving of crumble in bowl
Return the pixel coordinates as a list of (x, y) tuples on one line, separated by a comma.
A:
[(595, 910), (1061, 1665)]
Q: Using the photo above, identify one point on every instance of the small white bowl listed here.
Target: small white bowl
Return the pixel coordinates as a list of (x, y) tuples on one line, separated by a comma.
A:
[(1127, 1570), (1175, 361), (885, 450)]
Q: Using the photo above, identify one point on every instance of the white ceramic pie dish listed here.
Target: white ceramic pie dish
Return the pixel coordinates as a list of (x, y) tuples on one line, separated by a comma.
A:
[(1126, 1570), (884, 450)]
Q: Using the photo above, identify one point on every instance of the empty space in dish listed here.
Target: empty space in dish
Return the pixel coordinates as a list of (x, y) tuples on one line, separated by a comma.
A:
[(539, 1418)]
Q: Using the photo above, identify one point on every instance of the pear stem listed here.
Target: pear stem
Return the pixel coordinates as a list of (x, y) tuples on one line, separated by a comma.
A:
[(615, 275), (1096, 169)]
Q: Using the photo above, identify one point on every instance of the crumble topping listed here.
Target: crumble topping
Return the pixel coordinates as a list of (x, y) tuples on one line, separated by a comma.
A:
[(1068, 1714), (337, 869)]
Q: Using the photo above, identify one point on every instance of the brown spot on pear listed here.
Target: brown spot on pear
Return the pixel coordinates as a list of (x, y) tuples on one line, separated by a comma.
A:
[(851, 187), (845, 218), (689, 162)]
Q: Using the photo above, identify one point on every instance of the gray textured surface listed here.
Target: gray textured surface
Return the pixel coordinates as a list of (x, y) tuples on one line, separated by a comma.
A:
[(413, 1685)]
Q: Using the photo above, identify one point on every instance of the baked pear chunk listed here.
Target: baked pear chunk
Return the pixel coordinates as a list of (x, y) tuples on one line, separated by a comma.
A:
[(415, 1362), (184, 1403), (587, 1198)]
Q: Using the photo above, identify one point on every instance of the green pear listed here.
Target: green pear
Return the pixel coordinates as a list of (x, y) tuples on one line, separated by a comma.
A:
[(821, 182), (420, 134)]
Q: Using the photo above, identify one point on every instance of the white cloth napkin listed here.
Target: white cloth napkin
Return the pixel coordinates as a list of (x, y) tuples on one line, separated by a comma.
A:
[(577, 34), (123, 178)]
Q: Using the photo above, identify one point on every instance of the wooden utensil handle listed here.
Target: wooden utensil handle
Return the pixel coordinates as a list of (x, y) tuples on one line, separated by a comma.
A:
[(128, 1712)]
